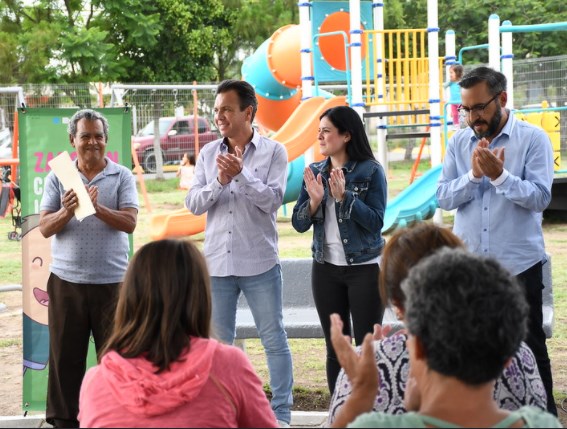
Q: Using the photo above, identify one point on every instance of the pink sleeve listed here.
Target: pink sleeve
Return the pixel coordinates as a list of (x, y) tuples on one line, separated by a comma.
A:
[(254, 410), (85, 399)]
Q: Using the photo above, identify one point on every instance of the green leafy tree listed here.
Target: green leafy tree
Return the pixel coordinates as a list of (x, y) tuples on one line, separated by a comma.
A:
[(184, 48), (469, 20), (79, 41), (71, 41)]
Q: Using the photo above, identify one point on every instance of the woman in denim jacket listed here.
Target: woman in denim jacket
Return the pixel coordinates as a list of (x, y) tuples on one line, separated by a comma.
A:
[(344, 198)]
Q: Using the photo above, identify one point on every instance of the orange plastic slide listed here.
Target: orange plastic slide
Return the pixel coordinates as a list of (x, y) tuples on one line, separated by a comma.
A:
[(180, 223), (298, 134)]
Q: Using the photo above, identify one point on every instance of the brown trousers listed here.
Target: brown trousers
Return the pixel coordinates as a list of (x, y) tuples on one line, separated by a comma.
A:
[(75, 310)]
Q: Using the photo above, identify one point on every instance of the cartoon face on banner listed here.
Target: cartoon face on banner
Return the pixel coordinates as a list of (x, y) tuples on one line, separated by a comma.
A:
[(35, 266)]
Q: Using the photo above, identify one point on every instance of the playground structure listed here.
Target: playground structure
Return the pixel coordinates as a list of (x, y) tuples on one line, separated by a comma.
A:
[(413, 204), (338, 42), (393, 77), (345, 41), (402, 86)]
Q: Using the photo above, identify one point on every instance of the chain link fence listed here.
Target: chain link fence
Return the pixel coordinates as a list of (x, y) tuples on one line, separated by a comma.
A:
[(150, 101), (543, 79)]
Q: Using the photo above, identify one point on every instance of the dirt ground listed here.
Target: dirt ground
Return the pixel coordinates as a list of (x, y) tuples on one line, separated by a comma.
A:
[(11, 354), (310, 379), (11, 366)]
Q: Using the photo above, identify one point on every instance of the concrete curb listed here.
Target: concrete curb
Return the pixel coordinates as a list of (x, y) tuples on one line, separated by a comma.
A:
[(308, 419), (32, 421)]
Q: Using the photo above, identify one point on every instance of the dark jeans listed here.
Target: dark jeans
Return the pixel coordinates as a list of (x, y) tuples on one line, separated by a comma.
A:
[(346, 290), (532, 282), (74, 311)]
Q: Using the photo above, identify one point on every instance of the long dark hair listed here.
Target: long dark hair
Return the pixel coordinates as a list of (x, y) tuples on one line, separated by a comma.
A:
[(165, 299), (347, 120)]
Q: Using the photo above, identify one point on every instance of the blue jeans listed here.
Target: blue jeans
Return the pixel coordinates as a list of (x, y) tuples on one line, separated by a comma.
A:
[(264, 295)]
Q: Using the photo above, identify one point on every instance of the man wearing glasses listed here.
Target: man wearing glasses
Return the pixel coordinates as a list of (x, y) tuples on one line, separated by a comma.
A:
[(497, 174)]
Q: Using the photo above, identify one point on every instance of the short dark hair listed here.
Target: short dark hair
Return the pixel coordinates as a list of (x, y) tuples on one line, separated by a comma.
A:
[(405, 249), (245, 92), (495, 81), (469, 314), (347, 120), (89, 115), (164, 300)]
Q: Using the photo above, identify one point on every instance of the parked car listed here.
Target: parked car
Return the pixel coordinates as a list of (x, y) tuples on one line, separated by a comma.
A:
[(176, 138)]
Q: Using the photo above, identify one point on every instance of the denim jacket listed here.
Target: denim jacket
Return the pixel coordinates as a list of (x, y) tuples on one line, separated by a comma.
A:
[(360, 214)]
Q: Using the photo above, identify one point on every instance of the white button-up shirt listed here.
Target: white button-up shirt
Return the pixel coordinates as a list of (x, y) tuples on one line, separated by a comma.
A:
[(241, 237)]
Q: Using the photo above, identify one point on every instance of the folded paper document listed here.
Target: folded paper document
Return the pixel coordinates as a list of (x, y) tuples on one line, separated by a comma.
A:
[(64, 169)]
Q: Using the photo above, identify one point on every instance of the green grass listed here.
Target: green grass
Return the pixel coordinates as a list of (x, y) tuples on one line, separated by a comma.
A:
[(10, 255), (399, 174), (160, 186), (9, 342)]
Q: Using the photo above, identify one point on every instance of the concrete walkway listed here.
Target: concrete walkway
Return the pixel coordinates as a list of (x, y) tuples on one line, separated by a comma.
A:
[(299, 419)]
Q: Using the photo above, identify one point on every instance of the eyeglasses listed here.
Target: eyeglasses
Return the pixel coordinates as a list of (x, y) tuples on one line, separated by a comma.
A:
[(478, 109)]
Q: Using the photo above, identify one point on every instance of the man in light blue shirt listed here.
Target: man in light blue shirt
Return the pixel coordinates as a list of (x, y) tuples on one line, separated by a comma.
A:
[(498, 174), (240, 182)]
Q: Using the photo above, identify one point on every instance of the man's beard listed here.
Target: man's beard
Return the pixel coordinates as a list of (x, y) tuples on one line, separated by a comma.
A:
[(492, 125)]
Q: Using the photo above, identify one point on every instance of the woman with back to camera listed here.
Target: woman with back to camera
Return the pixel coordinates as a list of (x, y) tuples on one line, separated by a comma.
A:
[(520, 383), (344, 198), (160, 368), (466, 317)]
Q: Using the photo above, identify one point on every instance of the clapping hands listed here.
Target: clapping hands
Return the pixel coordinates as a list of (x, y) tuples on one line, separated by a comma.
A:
[(487, 162)]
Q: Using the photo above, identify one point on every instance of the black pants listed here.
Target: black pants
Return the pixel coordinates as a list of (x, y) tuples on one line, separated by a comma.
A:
[(532, 282), (346, 290), (74, 311)]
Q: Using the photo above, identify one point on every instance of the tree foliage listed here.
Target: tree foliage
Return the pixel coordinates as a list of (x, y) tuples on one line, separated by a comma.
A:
[(469, 20), (70, 41), (77, 41), (246, 24), (183, 50)]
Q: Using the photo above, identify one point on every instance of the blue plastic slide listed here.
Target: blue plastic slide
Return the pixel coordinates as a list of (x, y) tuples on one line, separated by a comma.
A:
[(415, 203)]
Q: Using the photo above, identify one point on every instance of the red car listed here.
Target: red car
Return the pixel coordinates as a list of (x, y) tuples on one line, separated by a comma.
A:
[(177, 137)]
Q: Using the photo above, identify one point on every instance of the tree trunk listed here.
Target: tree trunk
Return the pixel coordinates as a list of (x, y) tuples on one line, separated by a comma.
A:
[(409, 149)]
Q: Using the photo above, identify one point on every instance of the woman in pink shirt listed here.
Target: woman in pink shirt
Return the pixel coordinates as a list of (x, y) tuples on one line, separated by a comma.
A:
[(160, 368)]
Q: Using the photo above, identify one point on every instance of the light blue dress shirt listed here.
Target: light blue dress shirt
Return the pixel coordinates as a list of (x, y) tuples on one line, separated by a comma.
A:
[(501, 218), (241, 237)]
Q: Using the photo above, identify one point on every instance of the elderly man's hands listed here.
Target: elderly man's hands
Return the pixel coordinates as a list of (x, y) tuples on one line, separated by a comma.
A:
[(93, 194), (70, 201)]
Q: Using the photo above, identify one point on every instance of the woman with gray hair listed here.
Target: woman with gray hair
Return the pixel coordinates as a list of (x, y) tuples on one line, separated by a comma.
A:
[(520, 384), (466, 318)]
